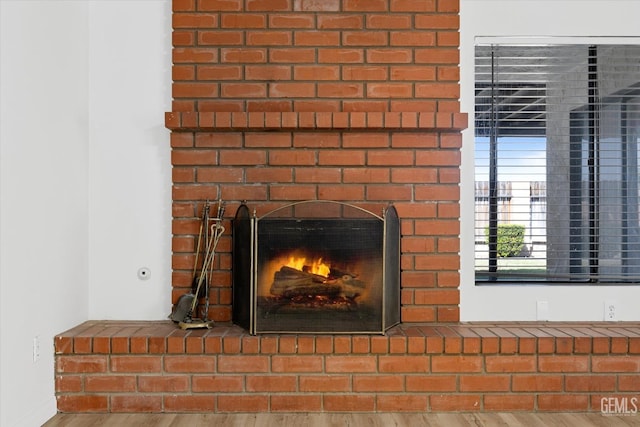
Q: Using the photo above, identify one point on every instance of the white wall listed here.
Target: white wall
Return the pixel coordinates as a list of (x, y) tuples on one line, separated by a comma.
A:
[(83, 87), (43, 211), (129, 161), (528, 18)]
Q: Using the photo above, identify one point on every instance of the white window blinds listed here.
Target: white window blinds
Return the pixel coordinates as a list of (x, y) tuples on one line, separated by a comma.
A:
[(557, 129)]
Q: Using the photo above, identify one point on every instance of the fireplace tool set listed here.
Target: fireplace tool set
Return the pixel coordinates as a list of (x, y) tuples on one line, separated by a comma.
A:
[(211, 230)]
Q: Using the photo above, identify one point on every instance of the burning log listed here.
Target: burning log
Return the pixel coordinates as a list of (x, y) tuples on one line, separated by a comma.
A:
[(290, 283)]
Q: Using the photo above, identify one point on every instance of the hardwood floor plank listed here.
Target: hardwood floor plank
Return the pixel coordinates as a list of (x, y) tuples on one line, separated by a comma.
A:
[(529, 419), (347, 419), (492, 419)]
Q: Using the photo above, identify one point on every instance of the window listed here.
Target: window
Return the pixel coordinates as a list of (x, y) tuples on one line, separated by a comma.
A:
[(557, 130)]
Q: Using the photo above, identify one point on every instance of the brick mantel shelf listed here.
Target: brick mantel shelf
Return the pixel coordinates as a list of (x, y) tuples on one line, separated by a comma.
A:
[(426, 121)]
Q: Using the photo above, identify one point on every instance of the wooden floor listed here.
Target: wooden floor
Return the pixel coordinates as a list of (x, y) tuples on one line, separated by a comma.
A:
[(339, 420)]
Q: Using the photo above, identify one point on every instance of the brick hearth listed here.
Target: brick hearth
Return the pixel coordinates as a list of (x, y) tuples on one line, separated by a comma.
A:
[(111, 366)]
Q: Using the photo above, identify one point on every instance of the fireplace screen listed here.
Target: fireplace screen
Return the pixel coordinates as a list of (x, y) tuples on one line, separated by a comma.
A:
[(316, 266)]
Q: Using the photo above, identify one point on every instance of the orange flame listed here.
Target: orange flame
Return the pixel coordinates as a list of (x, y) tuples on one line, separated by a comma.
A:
[(315, 267)]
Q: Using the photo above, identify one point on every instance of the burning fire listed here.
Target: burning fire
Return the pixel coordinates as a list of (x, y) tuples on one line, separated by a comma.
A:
[(315, 267)]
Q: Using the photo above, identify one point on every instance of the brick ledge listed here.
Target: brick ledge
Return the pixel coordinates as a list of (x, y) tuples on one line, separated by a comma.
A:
[(192, 121), (159, 337), (155, 367)]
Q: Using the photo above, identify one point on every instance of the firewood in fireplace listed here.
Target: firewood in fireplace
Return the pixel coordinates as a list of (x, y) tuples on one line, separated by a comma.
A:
[(289, 283)]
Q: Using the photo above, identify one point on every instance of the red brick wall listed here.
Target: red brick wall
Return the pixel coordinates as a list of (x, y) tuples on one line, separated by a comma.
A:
[(351, 100)]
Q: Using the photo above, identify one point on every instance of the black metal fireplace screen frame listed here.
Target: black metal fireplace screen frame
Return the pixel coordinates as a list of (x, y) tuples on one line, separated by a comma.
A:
[(338, 230)]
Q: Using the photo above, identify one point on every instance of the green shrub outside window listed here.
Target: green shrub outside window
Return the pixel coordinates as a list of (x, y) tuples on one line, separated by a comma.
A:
[(510, 239)]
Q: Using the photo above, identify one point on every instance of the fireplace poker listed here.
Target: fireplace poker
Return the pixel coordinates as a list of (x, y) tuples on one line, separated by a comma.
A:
[(201, 291), (218, 229), (204, 225)]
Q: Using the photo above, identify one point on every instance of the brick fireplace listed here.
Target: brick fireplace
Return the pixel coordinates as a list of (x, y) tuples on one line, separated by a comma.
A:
[(352, 101)]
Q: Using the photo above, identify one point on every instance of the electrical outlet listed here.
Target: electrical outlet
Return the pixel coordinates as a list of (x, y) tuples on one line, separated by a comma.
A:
[(610, 311), (543, 312), (36, 348)]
